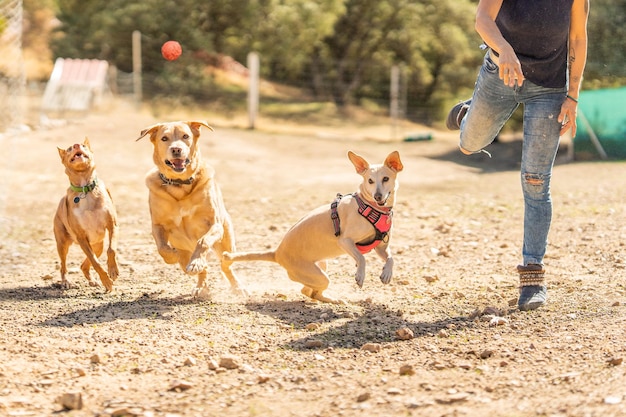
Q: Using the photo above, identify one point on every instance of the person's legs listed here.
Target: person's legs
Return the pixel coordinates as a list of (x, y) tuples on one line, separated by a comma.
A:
[(491, 106), (540, 145), (541, 142)]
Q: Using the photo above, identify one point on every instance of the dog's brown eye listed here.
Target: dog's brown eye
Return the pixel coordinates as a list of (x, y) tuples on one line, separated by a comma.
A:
[(164, 139), (371, 181), (185, 136), (385, 179)]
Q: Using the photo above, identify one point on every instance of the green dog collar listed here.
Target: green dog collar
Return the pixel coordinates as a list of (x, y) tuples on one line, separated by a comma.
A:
[(86, 188), (83, 190)]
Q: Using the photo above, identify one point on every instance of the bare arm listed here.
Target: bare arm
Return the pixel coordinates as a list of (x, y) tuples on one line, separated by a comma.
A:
[(577, 58), (510, 67)]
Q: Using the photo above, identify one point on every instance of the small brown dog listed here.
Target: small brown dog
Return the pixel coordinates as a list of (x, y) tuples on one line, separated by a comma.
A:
[(189, 218), (353, 224), (84, 216)]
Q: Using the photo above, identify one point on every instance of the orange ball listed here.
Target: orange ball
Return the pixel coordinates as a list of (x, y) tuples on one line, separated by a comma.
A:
[(171, 50)]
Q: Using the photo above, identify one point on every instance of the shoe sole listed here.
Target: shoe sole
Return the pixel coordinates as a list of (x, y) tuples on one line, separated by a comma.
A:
[(452, 122), (531, 306)]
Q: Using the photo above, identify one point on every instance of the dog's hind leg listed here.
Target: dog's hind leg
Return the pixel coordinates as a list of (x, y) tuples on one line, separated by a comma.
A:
[(314, 280), (201, 291), (64, 241), (228, 245), (228, 273), (85, 267), (112, 251)]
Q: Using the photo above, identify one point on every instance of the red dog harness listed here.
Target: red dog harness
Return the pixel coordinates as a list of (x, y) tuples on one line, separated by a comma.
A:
[(381, 220)]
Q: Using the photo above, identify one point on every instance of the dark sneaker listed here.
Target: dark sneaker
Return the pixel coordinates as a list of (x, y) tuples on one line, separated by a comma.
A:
[(458, 112), (532, 292), (532, 297)]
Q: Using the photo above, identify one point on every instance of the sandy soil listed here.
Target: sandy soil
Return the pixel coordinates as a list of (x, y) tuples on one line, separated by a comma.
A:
[(440, 340)]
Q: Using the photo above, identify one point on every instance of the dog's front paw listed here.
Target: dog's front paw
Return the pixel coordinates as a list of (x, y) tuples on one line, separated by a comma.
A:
[(64, 285), (240, 292), (114, 271), (385, 276), (196, 266), (93, 283), (360, 277), (106, 281), (201, 293)]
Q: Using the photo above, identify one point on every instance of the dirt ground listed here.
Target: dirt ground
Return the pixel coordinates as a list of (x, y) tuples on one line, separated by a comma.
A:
[(441, 340)]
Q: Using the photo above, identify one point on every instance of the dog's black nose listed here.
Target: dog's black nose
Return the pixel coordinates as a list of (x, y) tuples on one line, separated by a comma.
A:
[(176, 152)]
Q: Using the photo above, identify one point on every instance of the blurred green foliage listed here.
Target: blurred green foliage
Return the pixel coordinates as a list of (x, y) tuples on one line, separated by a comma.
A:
[(340, 51)]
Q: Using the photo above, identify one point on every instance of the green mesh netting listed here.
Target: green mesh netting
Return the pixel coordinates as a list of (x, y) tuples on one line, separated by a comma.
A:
[(605, 112)]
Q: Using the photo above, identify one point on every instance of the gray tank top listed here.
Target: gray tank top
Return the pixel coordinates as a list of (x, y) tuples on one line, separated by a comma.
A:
[(538, 31)]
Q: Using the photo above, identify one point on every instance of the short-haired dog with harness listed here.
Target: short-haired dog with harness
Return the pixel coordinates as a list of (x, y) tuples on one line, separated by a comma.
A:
[(353, 224)]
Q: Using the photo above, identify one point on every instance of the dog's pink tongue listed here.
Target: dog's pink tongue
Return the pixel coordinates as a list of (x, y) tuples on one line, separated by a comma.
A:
[(178, 164)]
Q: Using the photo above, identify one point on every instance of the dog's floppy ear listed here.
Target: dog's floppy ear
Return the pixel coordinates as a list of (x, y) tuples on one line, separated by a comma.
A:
[(147, 130), (359, 162), (393, 161), (195, 126)]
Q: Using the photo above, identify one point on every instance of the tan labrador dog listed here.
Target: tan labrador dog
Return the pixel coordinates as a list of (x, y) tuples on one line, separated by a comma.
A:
[(85, 215), (353, 224), (189, 219)]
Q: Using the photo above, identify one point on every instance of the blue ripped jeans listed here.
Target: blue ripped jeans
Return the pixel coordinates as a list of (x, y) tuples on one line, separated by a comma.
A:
[(492, 105)]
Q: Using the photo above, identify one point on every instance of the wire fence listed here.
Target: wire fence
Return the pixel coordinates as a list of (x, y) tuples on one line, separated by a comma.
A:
[(12, 71), (294, 95), (274, 100)]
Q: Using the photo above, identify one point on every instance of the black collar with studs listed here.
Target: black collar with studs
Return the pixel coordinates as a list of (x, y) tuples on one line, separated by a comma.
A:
[(175, 181)]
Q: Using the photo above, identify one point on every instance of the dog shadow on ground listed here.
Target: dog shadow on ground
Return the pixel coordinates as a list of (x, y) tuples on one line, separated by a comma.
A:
[(141, 308), (7, 295), (340, 325), (376, 323), (96, 309)]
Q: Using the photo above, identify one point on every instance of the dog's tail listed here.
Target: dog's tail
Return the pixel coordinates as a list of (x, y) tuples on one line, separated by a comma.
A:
[(230, 257)]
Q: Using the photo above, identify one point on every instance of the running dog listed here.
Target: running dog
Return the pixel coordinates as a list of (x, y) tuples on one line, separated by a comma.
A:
[(84, 216), (189, 219), (353, 224)]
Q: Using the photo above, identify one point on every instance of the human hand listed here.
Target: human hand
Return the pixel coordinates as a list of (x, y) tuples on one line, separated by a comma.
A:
[(510, 68), (567, 117)]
